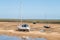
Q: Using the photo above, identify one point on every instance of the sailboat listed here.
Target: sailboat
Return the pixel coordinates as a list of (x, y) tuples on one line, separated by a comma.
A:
[(23, 26)]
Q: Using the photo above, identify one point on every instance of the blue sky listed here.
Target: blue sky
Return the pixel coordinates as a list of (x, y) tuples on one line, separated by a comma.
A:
[(31, 9)]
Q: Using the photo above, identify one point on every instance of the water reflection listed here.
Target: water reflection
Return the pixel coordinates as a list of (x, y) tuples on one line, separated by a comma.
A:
[(34, 39), (4, 37)]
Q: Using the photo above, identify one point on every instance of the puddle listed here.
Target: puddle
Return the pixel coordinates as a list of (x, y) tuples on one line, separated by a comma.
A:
[(4, 37), (42, 30), (35, 39)]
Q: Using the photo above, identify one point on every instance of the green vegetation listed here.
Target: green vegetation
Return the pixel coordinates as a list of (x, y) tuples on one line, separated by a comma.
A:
[(30, 20)]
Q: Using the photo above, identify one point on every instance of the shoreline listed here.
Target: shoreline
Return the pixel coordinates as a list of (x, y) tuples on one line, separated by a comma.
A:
[(33, 34)]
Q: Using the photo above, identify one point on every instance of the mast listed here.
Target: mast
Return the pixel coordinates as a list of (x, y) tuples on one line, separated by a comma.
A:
[(45, 16), (21, 10)]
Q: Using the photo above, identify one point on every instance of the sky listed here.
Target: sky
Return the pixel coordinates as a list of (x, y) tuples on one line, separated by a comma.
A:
[(30, 9)]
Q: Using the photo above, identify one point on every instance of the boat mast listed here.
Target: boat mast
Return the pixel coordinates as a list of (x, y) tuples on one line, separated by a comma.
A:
[(21, 9), (45, 18)]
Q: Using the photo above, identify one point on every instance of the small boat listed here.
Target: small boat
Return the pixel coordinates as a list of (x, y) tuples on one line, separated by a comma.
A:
[(46, 26), (24, 27)]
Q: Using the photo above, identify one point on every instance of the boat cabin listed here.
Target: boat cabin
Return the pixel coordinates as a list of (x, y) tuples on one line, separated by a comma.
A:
[(24, 27)]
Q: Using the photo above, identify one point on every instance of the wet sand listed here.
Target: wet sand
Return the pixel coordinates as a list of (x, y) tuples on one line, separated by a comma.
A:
[(9, 28)]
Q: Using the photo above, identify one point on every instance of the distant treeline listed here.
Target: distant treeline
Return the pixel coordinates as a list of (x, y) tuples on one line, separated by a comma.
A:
[(30, 20)]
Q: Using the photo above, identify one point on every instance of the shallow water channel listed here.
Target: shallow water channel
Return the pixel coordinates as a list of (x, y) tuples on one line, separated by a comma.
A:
[(5, 37)]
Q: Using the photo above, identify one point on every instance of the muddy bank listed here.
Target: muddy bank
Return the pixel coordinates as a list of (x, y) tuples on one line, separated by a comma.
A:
[(33, 34), (9, 28)]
